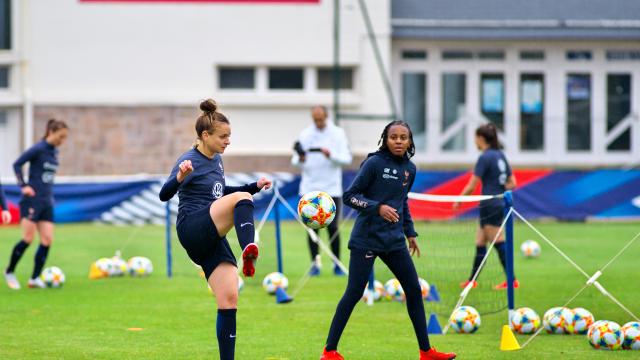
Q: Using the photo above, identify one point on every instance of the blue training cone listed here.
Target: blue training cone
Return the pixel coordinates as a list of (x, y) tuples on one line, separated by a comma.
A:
[(282, 297), (433, 294), (433, 327)]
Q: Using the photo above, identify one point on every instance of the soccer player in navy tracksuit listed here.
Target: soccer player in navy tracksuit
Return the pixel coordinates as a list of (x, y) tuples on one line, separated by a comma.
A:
[(6, 215), (494, 172), (207, 210), (382, 229), (36, 204)]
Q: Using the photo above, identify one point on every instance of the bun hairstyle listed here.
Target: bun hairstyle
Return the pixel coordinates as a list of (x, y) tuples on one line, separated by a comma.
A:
[(54, 125), (489, 132), (209, 119), (382, 143)]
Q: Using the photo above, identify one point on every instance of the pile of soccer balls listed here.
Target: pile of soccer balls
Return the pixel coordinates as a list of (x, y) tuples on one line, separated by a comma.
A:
[(137, 266), (392, 290)]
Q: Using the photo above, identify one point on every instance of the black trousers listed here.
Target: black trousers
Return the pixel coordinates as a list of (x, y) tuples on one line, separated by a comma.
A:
[(333, 233)]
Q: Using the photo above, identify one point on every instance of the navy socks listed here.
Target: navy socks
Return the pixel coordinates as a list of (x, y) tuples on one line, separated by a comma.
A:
[(226, 332), (16, 254), (243, 221), (40, 259), (481, 251)]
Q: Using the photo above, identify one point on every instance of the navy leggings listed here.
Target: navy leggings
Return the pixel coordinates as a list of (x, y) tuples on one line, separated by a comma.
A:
[(360, 265)]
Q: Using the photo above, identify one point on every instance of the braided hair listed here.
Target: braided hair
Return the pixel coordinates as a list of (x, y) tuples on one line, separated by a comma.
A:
[(382, 143)]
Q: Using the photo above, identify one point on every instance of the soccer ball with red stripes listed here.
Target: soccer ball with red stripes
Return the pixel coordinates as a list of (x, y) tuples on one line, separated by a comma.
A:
[(555, 318), (525, 321), (53, 277), (605, 335), (631, 333), (316, 209), (465, 319), (579, 321)]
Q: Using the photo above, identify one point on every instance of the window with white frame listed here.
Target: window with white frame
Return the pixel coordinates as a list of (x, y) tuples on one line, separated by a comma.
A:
[(281, 78), (326, 74), (236, 77), (5, 24)]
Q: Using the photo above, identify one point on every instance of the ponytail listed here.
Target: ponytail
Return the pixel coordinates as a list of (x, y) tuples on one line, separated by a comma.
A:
[(54, 125)]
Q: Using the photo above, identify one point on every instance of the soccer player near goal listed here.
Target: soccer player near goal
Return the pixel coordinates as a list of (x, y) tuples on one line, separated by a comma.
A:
[(6, 215), (382, 229), (494, 172), (36, 204), (207, 211)]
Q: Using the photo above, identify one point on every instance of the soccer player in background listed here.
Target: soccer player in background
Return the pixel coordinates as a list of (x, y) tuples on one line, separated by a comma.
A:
[(382, 229), (320, 152), (494, 172), (36, 203), (6, 215), (207, 211)]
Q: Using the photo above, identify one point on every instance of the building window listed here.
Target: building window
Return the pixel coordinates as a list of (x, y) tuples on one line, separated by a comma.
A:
[(236, 78), (491, 55), (414, 54), (456, 55), (325, 78), (618, 109), (579, 112), (4, 77), (492, 98), (531, 111), (623, 55), (286, 78), (533, 55), (454, 88), (5, 24), (579, 55), (414, 105)]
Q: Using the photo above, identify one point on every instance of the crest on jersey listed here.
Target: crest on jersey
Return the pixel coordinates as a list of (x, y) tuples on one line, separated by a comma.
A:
[(218, 190)]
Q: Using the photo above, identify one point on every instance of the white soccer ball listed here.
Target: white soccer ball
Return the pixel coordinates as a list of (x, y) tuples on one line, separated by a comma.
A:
[(273, 281), (465, 320), (530, 249), (140, 266), (578, 322), (378, 291), (393, 290), (631, 335), (555, 318), (119, 267), (53, 277), (524, 321), (105, 265), (606, 335), (316, 209), (424, 287)]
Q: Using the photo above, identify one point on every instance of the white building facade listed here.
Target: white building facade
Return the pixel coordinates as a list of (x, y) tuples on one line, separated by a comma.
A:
[(128, 75)]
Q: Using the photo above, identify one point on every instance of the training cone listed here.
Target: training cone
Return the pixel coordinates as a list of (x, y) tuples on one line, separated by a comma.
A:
[(508, 341), (433, 294), (433, 327), (282, 297)]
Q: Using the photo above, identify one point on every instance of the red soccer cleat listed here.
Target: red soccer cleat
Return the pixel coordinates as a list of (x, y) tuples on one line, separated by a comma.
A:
[(433, 354), (503, 286), (331, 355), (249, 257), (465, 283)]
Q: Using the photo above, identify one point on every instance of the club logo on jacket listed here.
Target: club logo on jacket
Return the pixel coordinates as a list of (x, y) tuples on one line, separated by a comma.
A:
[(218, 190)]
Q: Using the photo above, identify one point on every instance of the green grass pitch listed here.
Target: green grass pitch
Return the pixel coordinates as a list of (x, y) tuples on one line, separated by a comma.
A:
[(89, 318)]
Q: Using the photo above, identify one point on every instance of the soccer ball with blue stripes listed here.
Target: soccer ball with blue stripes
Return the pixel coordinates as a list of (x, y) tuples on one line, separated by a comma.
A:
[(524, 321), (631, 333), (465, 319), (140, 266), (53, 277), (606, 335), (555, 318), (393, 290), (316, 209), (579, 321), (273, 281)]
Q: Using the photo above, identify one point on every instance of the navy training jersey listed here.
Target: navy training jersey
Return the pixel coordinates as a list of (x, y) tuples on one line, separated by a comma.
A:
[(200, 188), (43, 164), (493, 170)]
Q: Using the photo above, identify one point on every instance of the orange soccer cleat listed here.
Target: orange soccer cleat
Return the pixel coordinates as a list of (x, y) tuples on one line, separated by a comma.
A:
[(433, 354), (503, 285), (331, 355), (465, 283)]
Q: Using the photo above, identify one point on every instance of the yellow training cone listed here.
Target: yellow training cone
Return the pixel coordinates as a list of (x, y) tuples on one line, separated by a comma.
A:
[(94, 272), (508, 341)]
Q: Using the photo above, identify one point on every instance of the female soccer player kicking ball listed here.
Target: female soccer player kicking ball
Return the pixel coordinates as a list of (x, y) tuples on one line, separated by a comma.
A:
[(36, 204), (494, 172), (379, 193), (207, 210)]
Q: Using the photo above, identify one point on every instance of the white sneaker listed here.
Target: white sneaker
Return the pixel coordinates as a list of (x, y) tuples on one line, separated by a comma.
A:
[(12, 281), (36, 283)]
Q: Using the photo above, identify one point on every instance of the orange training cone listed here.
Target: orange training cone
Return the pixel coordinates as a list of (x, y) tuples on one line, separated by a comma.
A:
[(508, 341)]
